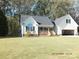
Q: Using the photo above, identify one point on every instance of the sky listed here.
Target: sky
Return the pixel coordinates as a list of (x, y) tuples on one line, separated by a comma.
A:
[(76, 3)]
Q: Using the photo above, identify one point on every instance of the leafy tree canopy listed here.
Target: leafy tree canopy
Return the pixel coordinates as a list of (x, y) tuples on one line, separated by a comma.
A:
[(3, 24)]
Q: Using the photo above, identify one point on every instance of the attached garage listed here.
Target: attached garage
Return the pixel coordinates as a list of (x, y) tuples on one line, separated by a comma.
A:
[(67, 32), (66, 25)]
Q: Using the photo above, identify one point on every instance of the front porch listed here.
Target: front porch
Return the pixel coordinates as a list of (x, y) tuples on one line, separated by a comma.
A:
[(45, 31)]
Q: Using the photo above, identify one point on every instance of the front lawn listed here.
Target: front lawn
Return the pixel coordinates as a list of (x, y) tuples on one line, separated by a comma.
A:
[(39, 48)]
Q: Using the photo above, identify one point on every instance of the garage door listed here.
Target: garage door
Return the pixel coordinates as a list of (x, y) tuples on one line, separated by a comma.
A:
[(78, 30), (67, 32)]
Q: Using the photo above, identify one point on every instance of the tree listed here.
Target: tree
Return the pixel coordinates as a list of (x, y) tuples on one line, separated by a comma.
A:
[(51, 8), (3, 24), (39, 7), (13, 25), (59, 8)]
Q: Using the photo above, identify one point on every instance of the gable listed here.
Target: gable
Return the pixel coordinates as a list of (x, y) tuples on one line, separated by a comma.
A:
[(42, 20), (62, 22), (26, 21)]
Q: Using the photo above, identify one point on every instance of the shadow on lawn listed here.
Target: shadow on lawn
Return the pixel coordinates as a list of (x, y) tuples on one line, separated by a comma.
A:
[(3, 37)]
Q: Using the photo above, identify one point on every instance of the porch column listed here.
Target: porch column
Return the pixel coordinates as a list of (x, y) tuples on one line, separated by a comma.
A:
[(49, 32), (22, 29)]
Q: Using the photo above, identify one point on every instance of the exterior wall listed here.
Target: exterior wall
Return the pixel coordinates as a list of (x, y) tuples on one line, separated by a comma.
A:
[(62, 25), (26, 22), (36, 29), (21, 30), (59, 31), (43, 33), (35, 25), (76, 32)]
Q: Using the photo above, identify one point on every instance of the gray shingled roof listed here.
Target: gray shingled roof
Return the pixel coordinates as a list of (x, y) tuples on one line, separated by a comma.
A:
[(43, 20)]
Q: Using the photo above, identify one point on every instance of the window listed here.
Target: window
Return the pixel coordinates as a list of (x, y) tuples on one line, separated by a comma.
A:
[(51, 29), (68, 21), (27, 29), (40, 28), (30, 28), (33, 28), (45, 29)]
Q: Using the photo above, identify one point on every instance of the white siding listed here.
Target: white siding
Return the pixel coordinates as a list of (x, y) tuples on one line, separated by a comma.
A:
[(62, 25), (24, 24), (35, 25)]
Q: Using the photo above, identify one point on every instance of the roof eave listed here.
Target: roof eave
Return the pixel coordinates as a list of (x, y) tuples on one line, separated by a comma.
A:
[(45, 25)]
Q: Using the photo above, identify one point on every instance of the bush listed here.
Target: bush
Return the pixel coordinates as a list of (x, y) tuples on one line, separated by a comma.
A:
[(27, 34), (13, 25)]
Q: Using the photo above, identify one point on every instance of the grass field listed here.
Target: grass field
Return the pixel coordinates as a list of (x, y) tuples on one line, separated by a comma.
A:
[(39, 48)]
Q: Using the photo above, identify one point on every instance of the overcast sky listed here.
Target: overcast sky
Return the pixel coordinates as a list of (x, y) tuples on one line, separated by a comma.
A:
[(76, 3)]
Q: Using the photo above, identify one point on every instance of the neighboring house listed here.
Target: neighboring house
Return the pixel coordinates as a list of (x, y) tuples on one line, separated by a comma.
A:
[(36, 25), (66, 26)]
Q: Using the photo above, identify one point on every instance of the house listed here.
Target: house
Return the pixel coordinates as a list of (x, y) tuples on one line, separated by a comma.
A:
[(66, 25), (36, 25)]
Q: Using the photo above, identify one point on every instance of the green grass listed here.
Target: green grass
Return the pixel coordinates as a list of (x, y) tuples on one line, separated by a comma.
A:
[(39, 48)]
